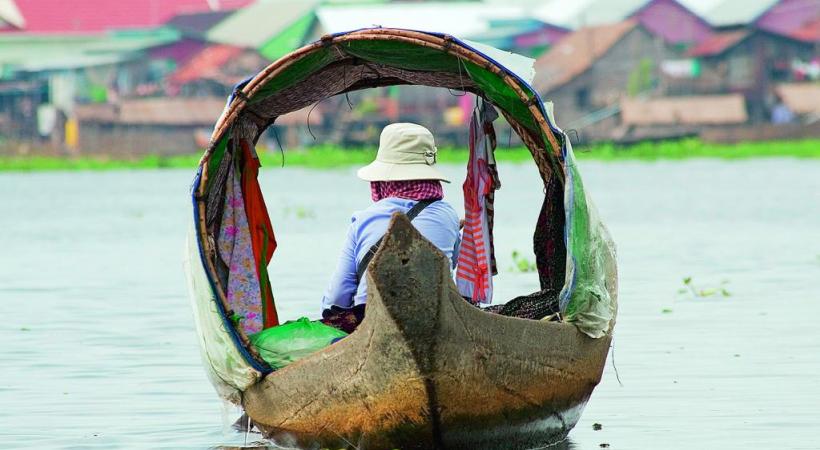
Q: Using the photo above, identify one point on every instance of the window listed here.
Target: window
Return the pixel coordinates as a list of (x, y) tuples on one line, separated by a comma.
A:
[(582, 98)]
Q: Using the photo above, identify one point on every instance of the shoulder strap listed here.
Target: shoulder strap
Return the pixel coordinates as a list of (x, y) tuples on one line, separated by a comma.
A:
[(411, 214)]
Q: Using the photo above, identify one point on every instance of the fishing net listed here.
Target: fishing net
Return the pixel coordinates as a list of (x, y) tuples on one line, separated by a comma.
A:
[(535, 306)]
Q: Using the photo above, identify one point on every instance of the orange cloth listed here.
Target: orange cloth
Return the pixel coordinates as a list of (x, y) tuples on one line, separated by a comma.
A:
[(262, 238)]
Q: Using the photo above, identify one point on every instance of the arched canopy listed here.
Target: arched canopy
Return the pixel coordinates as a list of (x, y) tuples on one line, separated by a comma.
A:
[(383, 57)]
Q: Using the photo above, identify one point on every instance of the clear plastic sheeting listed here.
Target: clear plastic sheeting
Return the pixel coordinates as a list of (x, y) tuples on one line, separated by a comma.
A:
[(589, 296), (227, 369), (515, 63)]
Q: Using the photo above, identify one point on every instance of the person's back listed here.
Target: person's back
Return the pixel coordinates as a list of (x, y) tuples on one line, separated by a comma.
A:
[(401, 176)]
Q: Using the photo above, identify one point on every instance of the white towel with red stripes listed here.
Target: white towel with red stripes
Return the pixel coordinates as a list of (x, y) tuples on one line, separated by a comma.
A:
[(474, 274)]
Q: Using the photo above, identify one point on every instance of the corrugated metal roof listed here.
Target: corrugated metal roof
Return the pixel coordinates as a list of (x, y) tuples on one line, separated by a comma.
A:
[(700, 7), (801, 98), (738, 12), (788, 15), (672, 20), (559, 13), (179, 51), (576, 53), (88, 16), (583, 13), (197, 24), (503, 34), (718, 43), (257, 24), (205, 63), (33, 53), (10, 16), (458, 19), (289, 39), (809, 32), (690, 110)]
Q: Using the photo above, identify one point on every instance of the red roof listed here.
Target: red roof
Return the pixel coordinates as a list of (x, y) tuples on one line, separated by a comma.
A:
[(809, 32), (577, 52), (718, 43), (205, 63), (84, 16)]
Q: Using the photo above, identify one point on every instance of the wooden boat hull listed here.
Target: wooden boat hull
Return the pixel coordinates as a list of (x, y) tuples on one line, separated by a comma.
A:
[(427, 370)]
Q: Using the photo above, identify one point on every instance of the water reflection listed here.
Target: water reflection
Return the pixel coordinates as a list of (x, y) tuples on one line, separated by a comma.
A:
[(261, 444)]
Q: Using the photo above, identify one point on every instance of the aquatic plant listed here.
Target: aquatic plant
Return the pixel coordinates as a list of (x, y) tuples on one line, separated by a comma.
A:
[(300, 212), (329, 156), (521, 263), (703, 292)]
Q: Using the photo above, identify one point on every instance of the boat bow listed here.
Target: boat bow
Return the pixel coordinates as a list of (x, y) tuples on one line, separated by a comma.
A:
[(428, 370)]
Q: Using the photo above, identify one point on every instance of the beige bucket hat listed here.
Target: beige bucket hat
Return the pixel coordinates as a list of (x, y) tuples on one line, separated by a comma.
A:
[(406, 152)]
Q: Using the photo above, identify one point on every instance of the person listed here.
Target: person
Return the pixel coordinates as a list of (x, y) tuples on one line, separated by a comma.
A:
[(782, 114), (403, 176)]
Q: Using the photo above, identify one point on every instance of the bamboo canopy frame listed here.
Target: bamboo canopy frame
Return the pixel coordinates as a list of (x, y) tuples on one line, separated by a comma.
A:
[(442, 43)]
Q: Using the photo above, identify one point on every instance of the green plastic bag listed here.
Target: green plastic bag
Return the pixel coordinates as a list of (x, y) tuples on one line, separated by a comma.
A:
[(292, 341)]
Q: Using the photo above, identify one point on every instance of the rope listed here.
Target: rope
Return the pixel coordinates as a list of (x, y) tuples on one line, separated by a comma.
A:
[(460, 81), (617, 376), (307, 121), (278, 142)]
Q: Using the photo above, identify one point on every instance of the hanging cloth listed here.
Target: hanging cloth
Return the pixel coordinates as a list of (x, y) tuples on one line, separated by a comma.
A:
[(261, 230), (476, 259), (236, 251)]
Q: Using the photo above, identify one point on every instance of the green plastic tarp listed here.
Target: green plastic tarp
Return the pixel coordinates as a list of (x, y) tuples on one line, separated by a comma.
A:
[(284, 344)]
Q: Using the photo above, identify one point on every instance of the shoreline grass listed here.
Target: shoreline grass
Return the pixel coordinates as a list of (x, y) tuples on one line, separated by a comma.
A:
[(325, 157)]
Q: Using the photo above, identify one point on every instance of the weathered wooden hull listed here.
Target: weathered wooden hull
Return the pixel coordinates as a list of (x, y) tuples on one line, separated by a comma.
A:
[(427, 370)]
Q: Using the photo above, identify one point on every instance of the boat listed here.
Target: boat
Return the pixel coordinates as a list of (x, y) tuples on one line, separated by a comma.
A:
[(425, 368)]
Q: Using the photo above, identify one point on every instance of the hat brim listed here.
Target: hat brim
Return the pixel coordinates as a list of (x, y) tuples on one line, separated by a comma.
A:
[(381, 171)]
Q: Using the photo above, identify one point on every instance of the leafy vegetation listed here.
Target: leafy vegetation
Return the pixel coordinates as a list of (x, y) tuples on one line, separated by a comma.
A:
[(324, 157), (641, 79), (703, 292), (521, 263), (299, 212)]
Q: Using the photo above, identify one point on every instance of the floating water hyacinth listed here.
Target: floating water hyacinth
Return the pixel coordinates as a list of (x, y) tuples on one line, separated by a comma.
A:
[(522, 264), (704, 292), (300, 212)]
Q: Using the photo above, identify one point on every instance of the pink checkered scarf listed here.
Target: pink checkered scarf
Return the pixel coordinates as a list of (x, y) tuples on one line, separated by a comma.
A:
[(411, 189)]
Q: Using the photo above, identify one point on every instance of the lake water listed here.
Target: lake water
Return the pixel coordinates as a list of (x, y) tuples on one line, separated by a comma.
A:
[(98, 350)]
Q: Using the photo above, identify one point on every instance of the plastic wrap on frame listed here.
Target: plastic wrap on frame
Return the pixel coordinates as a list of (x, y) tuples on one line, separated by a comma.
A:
[(589, 297), (227, 369)]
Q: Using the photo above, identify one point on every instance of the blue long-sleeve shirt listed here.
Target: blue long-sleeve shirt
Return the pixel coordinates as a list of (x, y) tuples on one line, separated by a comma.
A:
[(438, 222)]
